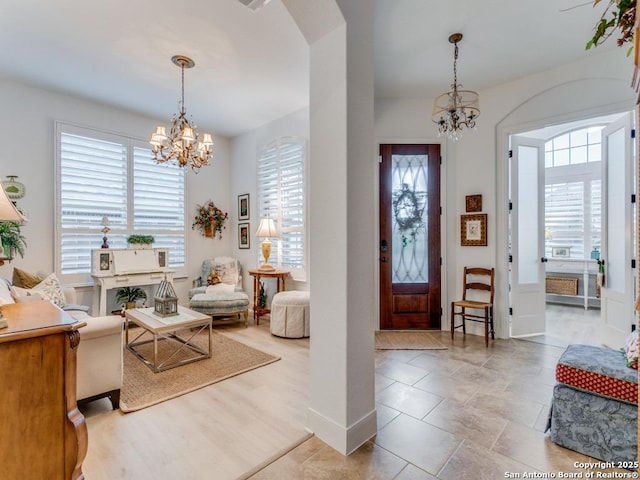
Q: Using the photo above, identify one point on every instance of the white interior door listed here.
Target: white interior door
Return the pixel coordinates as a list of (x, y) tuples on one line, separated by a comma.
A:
[(527, 297), (616, 301)]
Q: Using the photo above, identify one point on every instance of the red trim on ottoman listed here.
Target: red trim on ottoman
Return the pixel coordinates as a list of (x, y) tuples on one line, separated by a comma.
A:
[(597, 383)]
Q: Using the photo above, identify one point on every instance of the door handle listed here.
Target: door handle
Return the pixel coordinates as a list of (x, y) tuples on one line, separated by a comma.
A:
[(544, 259), (383, 259)]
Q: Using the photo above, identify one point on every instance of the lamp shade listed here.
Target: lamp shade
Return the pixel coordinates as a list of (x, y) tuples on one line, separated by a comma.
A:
[(8, 212), (267, 228)]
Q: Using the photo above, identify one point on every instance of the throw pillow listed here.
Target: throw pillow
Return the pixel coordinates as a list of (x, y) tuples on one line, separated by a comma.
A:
[(21, 295), (631, 350), (50, 289), (24, 279), (227, 269), (220, 288)]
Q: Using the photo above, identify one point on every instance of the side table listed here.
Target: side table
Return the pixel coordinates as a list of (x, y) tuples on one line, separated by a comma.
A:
[(279, 275)]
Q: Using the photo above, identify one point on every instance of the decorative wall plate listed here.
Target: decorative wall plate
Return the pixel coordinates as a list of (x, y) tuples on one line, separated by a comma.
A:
[(15, 190)]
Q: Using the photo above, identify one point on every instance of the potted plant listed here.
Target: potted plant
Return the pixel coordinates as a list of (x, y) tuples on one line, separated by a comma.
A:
[(620, 16), (12, 240), (128, 296), (210, 220), (140, 241)]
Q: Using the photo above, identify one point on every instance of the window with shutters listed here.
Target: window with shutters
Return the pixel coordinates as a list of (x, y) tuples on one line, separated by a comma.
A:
[(573, 192), (101, 174), (282, 196)]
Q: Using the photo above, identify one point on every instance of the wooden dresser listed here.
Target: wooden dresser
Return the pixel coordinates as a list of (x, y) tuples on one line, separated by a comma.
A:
[(43, 435)]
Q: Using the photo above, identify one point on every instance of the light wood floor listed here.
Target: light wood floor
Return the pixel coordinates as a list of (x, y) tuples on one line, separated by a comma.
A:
[(465, 412), (223, 431)]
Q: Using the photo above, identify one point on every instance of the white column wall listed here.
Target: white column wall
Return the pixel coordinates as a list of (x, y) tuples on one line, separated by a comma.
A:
[(341, 213)]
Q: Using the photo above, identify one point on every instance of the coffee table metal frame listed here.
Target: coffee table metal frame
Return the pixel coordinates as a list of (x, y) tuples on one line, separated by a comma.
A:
[(160, 330)]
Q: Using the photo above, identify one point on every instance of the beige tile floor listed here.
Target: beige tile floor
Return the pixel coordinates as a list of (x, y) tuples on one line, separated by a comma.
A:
[(468, 412)]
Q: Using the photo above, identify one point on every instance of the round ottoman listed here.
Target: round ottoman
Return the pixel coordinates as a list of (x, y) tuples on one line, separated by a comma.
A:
[(290, 314)]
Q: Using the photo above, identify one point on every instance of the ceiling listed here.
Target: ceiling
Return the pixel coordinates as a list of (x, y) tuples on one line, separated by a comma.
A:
[(252, 67)]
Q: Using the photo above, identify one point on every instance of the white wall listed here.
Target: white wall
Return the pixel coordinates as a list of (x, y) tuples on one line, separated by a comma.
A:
[(245, 150), (477, 163), (27, 127)]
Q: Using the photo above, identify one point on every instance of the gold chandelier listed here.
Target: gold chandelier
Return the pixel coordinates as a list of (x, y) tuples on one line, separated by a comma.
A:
[(181, 145), (455, 110)]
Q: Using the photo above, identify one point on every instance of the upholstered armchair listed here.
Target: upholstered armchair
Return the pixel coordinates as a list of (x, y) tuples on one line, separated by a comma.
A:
[(218, 290)]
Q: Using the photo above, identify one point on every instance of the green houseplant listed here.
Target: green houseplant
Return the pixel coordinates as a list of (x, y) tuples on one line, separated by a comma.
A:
[(12, 239), (620, 16), (127, 296), (141, 241)]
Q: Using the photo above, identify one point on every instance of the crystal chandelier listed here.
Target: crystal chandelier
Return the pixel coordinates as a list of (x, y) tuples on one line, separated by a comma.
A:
[(457, 109), (181, 145)]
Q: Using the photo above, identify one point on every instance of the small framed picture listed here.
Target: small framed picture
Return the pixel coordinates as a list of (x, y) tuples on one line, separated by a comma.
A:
[(561, 252), (473, 230), (243, 207), (473, 203), (105, 262), (243, 235)]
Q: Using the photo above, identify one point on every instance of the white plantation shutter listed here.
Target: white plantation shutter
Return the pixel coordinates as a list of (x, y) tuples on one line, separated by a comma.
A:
[(158, 203), (573, 192), (103, 174), (281, 196)]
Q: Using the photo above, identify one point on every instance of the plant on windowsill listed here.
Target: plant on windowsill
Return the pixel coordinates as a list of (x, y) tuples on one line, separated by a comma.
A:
[(12, 240), (210, 220), (140, 241), (128, 296)]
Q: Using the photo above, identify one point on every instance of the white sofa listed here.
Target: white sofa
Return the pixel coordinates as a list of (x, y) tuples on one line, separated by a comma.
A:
[(99, 356)]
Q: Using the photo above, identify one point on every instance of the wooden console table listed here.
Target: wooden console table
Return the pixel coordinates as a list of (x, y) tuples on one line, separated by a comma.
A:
[(42, 433), (279, 275)]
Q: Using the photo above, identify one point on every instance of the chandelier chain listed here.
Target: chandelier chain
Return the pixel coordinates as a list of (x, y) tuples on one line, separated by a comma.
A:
[(182, 145), (456, 110)]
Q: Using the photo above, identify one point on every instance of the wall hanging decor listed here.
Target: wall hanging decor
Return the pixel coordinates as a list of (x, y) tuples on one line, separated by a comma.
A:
[(243, 207), (14, 189), (210, 220), (473, 230), (473, 203), (244, 241)]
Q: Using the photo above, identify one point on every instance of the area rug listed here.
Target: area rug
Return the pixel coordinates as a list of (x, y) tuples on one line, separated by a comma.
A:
[(142, 388), (407, 340)]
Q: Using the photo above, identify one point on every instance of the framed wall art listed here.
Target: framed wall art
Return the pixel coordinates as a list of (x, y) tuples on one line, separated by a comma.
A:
[(561, 252), (473, 230), (473, 203), (243, 236), (243, 207)]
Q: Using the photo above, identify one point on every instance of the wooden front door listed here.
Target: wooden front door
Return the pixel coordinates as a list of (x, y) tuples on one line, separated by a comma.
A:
[(410, 237)]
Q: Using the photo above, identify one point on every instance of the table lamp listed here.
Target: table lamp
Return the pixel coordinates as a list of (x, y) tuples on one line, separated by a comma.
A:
[(267, 229), (105, 230), (8, 213)]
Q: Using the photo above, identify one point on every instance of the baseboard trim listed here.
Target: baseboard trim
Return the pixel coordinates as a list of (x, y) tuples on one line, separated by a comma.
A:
[(344, 440)]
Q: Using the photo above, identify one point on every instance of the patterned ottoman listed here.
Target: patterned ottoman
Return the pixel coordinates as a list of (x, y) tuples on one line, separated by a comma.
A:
[(594, 409)]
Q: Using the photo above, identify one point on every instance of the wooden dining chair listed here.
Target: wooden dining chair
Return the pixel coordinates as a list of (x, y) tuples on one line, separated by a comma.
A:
[(477, 294)]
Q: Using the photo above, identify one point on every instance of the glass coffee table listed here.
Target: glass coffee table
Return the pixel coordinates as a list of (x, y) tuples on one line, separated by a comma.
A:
[(180, 330)]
